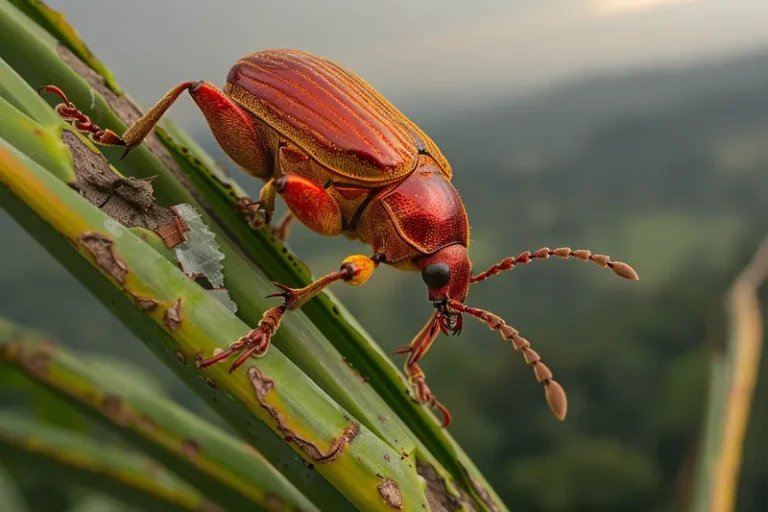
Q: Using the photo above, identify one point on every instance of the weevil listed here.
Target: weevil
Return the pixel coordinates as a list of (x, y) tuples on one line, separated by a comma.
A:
[(346, 162)]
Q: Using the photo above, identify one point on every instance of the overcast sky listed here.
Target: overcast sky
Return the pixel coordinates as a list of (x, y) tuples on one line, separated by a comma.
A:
[(449, 50)]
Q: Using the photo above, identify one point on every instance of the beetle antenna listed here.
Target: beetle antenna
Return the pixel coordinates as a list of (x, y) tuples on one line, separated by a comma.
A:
[(601, 260), (553, 391)]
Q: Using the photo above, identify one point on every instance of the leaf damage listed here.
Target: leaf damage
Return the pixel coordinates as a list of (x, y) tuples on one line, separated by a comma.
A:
[(172, 317), (191, 449), (262, 385), (101, 248), (482, 492), (438, 496), (130, 201), (36, 362), (145, 304), (114, 408), (390, 491)]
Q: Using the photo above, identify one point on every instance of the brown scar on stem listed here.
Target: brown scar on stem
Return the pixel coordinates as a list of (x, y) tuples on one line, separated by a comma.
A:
[(36, 362), (438, 496), (262, 385), (482, 492), (146, 423), (466, 500), (210, 382), (172, 316), (390, 491), (180, 356), (154, 467), (100, 247), (113, 407), (190, 448), (144, 303), (209, 506), (273, 502)]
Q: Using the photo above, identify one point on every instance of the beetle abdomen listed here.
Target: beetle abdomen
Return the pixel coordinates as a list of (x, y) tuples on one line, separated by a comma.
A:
[(332, 114)]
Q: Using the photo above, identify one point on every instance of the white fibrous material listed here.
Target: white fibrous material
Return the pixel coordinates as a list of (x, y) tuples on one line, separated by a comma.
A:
[(222, 295), (199, 254)]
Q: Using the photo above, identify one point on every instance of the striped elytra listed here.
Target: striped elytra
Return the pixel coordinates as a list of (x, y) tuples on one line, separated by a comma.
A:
[(331, 113)]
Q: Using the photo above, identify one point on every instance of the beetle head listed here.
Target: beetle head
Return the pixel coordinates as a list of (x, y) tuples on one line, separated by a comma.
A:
[(447, 273)]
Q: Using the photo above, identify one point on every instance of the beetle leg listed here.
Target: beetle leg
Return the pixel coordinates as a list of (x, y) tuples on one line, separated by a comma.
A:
[(417, 348), (416, 377), (233, 128), (284, 226), (355, 270), (255, 342), (311, 203), (80, 121), (259, 213)]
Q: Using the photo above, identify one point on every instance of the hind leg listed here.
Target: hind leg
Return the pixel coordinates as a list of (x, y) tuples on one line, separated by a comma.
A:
[(234, 129)]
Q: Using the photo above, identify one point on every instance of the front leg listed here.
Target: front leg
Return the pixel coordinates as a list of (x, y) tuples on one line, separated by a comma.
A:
[(312, 205), (307, 201), (355, 270), (259, 213), (416, 350)]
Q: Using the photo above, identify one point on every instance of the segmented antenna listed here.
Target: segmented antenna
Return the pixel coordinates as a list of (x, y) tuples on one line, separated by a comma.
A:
[(601, 260)]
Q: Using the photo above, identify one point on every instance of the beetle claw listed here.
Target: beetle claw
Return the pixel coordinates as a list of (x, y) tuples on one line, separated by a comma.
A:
[(286, 293), (255, 214), (447, 418), (426, 397)]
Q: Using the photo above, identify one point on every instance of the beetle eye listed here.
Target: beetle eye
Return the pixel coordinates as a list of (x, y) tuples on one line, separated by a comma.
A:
[(436, 275)]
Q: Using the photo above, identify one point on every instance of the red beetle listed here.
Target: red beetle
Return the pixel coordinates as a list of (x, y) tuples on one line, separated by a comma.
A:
[(346, 161)]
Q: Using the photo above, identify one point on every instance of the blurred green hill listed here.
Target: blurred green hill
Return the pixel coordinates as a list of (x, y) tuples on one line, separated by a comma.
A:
[(665, 169)]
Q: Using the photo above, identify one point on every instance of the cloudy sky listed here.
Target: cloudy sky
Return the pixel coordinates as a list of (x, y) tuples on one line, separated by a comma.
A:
[(439, 50)]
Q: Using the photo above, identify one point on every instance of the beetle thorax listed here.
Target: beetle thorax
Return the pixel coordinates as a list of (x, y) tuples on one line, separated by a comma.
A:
[(418, 216)]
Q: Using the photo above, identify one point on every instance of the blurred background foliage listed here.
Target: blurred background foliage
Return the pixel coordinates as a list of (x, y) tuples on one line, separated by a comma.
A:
[(665, 168)]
